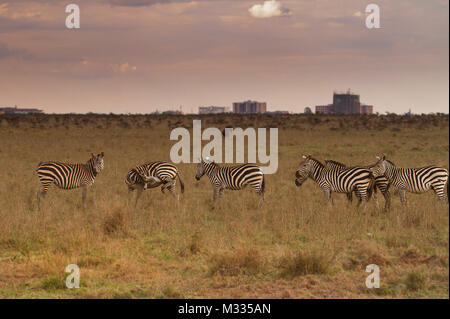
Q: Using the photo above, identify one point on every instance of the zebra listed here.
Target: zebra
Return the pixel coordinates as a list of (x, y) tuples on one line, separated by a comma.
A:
[(69, 176), (414, 180), (232, 177), (381, 183), (152, 175), (345, 180)]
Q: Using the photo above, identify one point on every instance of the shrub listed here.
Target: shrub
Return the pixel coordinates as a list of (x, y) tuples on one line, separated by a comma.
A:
[(304, 263)]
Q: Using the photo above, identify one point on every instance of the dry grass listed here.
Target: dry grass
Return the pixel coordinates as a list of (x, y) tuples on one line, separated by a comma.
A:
[(295, 246)]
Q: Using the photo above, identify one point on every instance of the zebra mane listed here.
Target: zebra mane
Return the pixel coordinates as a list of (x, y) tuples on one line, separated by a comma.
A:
[(207, 160), (390, 162), (316, 161), (335, 163), (90, 163)]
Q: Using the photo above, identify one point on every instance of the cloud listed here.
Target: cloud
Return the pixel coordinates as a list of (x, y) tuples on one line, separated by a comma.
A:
[(270, 8), (123, 68), (3, 8), (7, 52), (141, 3)]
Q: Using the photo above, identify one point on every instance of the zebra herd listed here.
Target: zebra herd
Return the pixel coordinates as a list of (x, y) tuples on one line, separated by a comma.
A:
[(330, 177)]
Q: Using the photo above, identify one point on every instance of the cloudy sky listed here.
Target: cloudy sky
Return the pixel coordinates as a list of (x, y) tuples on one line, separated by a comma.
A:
[(141, 55)]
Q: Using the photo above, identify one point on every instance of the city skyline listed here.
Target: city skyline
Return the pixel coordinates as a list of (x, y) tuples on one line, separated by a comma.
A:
[(142, 55)]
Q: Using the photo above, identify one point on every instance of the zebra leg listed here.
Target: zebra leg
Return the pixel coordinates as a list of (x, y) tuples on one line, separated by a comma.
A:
[(350, 197), (327, 193), (261, 199), (83, 195), (439, 190), (42, 192), (387, 200), (362, 197), (168, 184), (402, 194), (360, 194), (173, 191), (139, 189), (375, 198)]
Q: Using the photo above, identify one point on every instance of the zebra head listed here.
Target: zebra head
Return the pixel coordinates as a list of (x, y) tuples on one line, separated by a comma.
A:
[(303, 171), (379, 168), (97, 162), (202, 167)]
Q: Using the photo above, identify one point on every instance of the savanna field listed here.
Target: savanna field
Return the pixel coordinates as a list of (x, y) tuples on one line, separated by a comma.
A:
[(295, 246)]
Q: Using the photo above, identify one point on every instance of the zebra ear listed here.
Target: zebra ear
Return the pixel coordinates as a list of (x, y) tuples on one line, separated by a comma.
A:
[(304, 156), (102, 154), (92, 154), (384, 157), (377, 157)]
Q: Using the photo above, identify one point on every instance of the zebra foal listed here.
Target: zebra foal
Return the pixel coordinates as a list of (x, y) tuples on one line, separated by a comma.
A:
[(69, 176), (152, 175), (345, 180), (414, 180), (232, 177)]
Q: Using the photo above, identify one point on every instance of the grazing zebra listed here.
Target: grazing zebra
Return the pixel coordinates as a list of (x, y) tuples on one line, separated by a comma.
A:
[(69, 176), (345, 180), (232, 177), (152, 175), (381, 183), (414, 180)]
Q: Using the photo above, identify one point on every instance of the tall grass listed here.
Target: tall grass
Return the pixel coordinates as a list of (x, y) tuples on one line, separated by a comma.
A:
[(295, 246)]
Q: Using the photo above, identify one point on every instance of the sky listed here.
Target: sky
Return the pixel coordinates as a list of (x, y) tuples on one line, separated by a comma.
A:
[(139, 56)]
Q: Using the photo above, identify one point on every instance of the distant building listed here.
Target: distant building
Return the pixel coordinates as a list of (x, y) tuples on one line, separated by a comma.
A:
[(212, 109), (249, 107), (366, 109), (345, 103), (171, 112), (277, 112), (325, 109), (16, 110), (307, 110)]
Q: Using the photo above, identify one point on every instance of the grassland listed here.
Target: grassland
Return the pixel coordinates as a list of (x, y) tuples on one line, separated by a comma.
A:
[(295, 246)]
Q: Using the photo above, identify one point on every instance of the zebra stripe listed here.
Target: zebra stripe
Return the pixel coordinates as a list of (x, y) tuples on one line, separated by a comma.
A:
[(381, 182), (152, 175), (344, 180), (69, 176), (232, 177), (414, 180)]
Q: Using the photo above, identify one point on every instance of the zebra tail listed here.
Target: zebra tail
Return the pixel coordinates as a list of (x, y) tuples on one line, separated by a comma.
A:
[(181, 183), (373, 186), (263, 185), (446, 185)]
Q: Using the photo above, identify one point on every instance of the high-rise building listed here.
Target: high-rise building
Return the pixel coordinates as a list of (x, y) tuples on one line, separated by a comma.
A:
[(250, 107), (346, 103)]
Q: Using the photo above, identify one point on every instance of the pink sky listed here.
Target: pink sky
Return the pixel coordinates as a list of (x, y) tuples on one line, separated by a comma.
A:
[(141, 55)]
